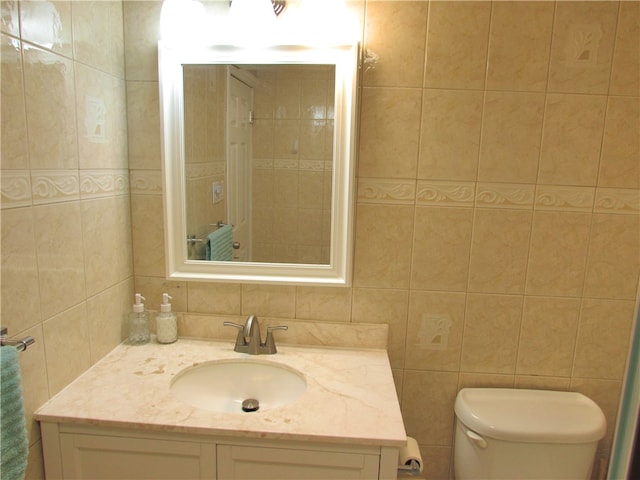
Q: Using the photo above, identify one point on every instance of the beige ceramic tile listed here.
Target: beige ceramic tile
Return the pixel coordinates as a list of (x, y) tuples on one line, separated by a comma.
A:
[(441, 248), (510, 144), (450, 134), (547, 338), (285, 188), (102, 119), (434, 331), (537, 382), (323, 303), (106, 228), (427, 400), (499, 250), (287, 96), (439, 466), (491, 330), (620, 163), (35, 463), (287, 131), (582, 47), (571, 139), (384, 306), (20, 290), (97, 35), (457, 44), (148, 235), (558, 253), (14, 126), (58, 238), (143, 124), (47, 24), (67, 347), (485, 380), (396, 31), (603, 338), (106, 321), (51, 115), (9, 17), (613, 262), (389, 132), (269, 300), (625, 71), (141, 34), (382, 253), (519, 45)]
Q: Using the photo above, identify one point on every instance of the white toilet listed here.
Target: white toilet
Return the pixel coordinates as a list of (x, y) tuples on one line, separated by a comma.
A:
[(525, 434)]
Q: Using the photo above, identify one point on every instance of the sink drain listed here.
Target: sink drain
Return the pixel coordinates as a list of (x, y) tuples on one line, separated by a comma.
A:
[(250, 405)]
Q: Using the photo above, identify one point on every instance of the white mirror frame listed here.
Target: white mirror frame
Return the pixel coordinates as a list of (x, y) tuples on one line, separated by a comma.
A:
[(338, 271)]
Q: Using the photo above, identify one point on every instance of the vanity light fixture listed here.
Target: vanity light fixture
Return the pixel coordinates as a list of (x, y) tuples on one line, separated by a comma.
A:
[(182, 21), (253, 23), (278, 5)]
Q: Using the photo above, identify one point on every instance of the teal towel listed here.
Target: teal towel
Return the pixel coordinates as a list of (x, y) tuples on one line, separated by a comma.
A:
[(14, 445), (220, 244)]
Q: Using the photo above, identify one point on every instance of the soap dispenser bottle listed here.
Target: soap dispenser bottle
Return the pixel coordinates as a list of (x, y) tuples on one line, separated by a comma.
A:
[(139, 330), (166, 322)]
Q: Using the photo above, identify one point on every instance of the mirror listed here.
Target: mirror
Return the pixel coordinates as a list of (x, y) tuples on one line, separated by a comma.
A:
[(258, 162)]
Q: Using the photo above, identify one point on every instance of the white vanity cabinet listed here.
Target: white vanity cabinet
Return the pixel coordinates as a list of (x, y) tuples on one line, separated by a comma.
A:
[(82, 452)]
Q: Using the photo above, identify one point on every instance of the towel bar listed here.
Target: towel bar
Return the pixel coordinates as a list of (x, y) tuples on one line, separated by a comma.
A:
[(21, 344), (191, 239)]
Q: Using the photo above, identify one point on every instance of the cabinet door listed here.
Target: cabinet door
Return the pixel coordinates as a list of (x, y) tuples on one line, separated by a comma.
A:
[(105, 457), (240, 462)]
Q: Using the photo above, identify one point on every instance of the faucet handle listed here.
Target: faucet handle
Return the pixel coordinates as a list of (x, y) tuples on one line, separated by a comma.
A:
[(279, 327), (270, 344), (240, 340)]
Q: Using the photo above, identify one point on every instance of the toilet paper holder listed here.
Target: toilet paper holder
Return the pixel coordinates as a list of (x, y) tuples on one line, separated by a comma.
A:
[(409, 458), (412, 467)]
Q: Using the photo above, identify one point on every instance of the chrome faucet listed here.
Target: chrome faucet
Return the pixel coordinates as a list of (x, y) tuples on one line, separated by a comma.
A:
[(249, 339)]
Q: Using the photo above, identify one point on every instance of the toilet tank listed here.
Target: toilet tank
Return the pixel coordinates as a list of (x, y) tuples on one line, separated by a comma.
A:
[(525, 434)]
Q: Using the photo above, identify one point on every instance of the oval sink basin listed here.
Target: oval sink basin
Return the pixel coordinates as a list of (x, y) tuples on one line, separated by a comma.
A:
[(223, 385)]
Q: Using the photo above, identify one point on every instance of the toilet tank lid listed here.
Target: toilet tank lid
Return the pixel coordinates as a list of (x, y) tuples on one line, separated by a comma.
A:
[(530, 415)]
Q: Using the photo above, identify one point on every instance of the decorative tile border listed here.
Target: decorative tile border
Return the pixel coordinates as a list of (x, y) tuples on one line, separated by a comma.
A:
[(145, 182), (15, 188), (377, 190), (194, 171), (52, 186), (565, 198), (303, 165), (103, 183), (452, 194), (617, 200), (505, 195)]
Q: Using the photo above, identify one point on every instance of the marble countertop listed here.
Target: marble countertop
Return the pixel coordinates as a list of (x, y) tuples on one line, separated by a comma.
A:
[(350, 396)]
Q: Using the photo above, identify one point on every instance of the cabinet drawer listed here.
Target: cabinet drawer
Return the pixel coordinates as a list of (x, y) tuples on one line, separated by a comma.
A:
[(106, 457), (243, 462)]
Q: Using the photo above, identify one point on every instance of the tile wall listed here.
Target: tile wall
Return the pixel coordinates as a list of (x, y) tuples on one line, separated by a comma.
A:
[(498, 209), (67, 273), (293, 150)]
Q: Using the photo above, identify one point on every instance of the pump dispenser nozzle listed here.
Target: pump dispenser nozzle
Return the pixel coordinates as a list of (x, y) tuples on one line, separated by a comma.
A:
[(139, 331), (138, 306), (165, 306), (166, 322)]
